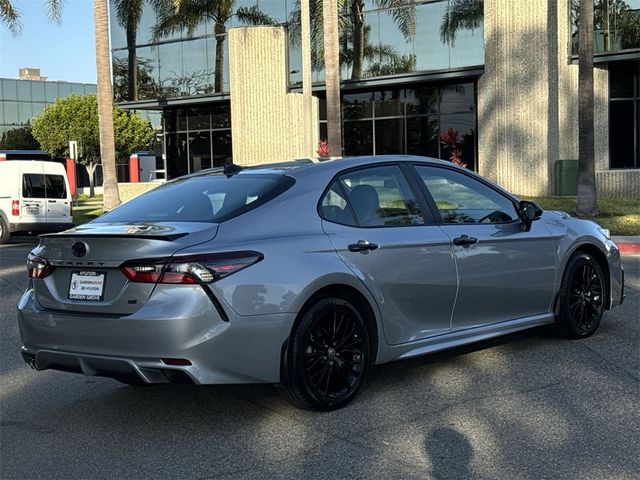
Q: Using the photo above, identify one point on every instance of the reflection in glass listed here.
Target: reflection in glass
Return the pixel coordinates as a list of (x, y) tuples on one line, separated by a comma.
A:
[(357, 105), (177, 161), (37, 91), (616, 25), (199, 119), (199, 151), (389, 103), (51, 91), (11, 113), (64, 89), (24, 90), (24, 113), (221, 115), (422, 136), (389, 136), (222, 148), (358, 137)]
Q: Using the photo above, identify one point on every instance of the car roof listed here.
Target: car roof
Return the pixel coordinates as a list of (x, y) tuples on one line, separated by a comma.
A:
[(307, 164)]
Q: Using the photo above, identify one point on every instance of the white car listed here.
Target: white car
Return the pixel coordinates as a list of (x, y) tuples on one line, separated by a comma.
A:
[(34, 197)]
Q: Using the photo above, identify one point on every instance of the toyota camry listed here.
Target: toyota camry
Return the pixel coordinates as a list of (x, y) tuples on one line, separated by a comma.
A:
[(307, 273)]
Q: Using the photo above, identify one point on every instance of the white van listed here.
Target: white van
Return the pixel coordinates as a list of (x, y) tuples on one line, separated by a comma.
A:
[(34, 197)]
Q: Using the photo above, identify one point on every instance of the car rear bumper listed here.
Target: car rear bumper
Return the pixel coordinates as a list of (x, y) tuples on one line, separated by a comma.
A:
[(40, 227), (142, 345)]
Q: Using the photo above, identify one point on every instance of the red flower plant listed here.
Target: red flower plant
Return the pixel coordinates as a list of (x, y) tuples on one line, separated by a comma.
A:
[(323, 148), (449, 139)]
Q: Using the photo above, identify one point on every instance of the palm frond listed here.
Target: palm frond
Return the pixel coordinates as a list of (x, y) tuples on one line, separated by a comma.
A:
[(254, 16), (54, 10), (128, 11), (403, 13), (10, 17), (461, 15)]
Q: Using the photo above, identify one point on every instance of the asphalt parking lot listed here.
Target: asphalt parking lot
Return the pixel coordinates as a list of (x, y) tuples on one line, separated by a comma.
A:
[(525, 406)]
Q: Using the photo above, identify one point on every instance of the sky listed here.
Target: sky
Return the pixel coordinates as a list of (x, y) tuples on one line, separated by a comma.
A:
[(62, 52)]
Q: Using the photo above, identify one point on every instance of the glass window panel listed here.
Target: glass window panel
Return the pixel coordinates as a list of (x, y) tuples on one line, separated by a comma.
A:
[(24, 113), (24, 90), (11, 113), (144, 34), (276, 9), (622, 129), (9, 89), (456, 99), (77, 88), (56, 187), (468, 48), (295, 65), (148, 86), (197, 79), (422, 137), (395, 52), (323, 131), (64, 89), (33, 186), (177, 161), (117, 33), (222, 148), (181, 117), (389, 103), (358, 138), (199, 119), (422, 100), (221, 115), (322, 107), (357, 105), (120, 72), (199, 150), (462, 199), (170, 69), (380, 196), (389, 136), (90, 88), (37, 108), (37, 91), (1, 113), (623, 78), (463, 125), (430, 53), (51, 91)]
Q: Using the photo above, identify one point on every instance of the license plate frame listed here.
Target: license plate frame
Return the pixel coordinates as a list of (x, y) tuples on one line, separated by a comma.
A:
[(87, 285), (33, 210)]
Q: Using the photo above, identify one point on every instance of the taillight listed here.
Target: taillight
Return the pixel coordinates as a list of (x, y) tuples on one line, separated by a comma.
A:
[(192, 269), (15, 208), (38, 267)]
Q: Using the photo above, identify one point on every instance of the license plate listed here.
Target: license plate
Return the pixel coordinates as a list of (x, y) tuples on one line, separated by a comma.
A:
[(88, 286), (33, 210)]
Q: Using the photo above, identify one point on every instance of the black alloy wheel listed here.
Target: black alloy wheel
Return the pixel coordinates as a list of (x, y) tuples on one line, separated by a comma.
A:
[(328, 356), (582, 297)]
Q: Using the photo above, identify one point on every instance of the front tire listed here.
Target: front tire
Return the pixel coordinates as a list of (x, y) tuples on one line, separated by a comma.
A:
[(582, 297), (327, 357), (5, 235)]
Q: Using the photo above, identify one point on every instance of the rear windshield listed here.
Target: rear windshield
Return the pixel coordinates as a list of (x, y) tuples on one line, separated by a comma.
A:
[(37, 185), (210, 198)]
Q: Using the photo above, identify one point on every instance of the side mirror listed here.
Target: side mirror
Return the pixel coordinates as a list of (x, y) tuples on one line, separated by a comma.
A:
[(529, 211)]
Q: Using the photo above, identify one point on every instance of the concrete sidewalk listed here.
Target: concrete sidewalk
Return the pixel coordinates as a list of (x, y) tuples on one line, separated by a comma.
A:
[(629, 245)]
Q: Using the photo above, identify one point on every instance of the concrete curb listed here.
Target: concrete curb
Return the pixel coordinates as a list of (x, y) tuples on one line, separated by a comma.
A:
[(629, 245)]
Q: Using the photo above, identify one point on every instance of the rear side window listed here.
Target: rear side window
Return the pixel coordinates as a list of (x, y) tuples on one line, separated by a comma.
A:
[(207, 198), (33, 186), (55, 186), (377, 196)]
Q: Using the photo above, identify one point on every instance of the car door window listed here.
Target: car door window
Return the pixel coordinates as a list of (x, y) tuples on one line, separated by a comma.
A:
[(380, 197), (462, 199), (334, 206)]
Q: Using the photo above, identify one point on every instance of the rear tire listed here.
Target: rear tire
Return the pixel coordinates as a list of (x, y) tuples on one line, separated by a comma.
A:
[(582, 297), (327, 357), (5, 235)]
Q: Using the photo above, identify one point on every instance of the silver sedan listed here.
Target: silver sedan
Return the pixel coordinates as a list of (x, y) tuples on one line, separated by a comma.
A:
[(307, 273)]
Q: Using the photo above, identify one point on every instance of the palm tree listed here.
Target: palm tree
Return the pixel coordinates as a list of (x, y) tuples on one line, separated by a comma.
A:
[(10, 16), (178, 15), (105, 106), (587, 203), (461, 15), (129, 14), (331, 38)]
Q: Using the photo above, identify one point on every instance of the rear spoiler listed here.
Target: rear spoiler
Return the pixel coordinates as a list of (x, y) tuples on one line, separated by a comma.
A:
[(146, 236)]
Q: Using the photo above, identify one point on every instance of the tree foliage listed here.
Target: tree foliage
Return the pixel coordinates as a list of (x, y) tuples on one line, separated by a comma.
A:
[(19, 139), (76, 118)]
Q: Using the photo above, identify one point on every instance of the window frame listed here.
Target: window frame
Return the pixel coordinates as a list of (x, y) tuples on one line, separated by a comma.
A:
[(473, 176), (428, 217)]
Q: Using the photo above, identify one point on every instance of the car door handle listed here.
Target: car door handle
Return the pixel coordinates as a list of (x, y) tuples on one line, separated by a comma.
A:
[(465, 240), (53, 201), (362, 246)]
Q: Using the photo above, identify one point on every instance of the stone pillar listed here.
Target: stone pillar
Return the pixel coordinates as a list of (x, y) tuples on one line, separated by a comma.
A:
[(267, 122), (527, 97)]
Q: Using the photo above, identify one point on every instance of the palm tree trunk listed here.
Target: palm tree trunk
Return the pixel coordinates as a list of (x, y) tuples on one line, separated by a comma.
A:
[(132, 28), (586, 206), (332, 76), (357, 18), (219, 31), (105, 106)]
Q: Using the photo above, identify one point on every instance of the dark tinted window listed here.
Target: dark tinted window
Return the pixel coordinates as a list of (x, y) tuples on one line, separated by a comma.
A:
[(56, 187), (208, 198), (462, 199), (33, 185)]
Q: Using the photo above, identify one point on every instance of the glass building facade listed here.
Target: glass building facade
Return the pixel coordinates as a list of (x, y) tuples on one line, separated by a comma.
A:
[(21, 100)]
